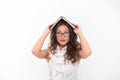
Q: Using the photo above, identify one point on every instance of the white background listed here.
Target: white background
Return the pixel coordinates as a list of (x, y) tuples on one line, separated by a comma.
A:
[(23, 21)]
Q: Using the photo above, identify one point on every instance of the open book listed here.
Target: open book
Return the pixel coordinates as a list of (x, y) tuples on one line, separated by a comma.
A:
[(62, 18)]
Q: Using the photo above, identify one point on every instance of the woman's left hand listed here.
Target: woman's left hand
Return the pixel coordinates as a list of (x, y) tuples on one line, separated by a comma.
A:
[(77, 29)]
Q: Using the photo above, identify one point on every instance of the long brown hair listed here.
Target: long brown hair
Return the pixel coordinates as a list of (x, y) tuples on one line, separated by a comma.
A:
[(73, 46)]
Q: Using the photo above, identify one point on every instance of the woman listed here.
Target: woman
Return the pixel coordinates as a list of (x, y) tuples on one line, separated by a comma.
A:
[(65, 52)]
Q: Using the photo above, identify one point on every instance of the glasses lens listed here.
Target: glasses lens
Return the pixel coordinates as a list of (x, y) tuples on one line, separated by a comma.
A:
[(59, 34), (66, 34)]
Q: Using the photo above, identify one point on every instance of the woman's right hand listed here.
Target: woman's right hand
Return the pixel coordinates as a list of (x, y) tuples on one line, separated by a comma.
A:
[(48, 30)]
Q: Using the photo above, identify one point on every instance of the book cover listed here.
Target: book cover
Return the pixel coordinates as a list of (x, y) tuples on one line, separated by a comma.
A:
[(62, 18)]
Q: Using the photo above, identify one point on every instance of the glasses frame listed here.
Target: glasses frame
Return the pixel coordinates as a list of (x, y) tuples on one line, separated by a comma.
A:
[(66, 34)]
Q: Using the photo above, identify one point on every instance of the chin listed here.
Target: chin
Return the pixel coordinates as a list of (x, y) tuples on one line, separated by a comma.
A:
[(62, 44)]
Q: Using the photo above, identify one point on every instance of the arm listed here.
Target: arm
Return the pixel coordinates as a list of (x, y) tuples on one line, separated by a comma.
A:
[(38, 45), (86, 50)]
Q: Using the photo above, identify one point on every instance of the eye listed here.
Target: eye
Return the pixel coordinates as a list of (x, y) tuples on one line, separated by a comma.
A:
[(58, 32), (66, 33)]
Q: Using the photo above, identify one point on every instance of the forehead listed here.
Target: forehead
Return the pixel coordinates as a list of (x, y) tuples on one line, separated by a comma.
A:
[(62, 28)]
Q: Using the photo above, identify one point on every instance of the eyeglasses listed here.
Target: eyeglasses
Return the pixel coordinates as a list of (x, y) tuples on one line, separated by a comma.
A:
[(59, 34)]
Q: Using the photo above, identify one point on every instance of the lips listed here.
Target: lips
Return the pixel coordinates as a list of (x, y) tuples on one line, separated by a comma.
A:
[(62, 40)]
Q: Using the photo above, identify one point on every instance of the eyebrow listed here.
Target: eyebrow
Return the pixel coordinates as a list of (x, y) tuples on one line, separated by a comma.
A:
[(63, 31)]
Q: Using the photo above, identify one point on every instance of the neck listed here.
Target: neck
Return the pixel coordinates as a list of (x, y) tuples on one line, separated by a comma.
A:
[(61, 46)]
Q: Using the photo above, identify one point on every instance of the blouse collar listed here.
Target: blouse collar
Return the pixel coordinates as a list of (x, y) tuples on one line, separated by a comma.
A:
[(58, 48)]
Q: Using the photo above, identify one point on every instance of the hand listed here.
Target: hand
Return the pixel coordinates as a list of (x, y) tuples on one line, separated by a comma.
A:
[(77, 29), (48, 30)]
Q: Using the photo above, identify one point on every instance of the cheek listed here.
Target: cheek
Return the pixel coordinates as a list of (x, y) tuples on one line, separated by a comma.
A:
[(57, 39), (67, 39)]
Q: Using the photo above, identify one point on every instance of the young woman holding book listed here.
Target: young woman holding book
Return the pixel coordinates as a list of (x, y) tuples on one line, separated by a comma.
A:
[(65, 52)]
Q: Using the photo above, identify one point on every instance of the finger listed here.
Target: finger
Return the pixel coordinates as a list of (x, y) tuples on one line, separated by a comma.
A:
[(50, 26), (76, 26)]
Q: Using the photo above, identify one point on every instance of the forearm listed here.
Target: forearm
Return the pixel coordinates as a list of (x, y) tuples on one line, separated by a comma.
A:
[(38, 45), (86, 50)]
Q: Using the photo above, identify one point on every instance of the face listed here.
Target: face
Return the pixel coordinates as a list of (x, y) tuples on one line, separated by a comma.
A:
[(62, 35)]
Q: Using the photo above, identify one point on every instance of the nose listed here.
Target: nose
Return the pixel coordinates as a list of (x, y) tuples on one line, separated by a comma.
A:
[(62, 35)]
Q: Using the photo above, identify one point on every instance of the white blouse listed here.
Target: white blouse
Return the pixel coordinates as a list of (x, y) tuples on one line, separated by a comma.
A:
[(61, 69)]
